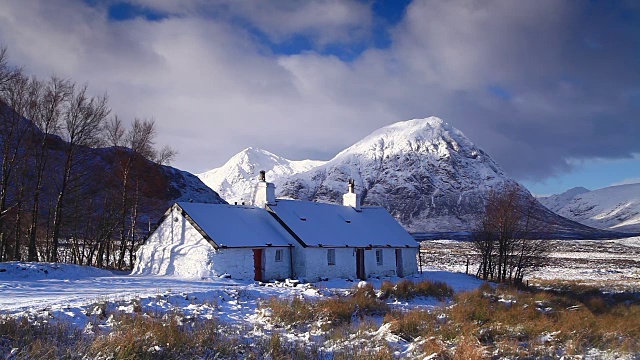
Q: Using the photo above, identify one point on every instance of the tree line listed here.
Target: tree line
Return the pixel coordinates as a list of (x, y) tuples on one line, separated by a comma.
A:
[(72, 175)]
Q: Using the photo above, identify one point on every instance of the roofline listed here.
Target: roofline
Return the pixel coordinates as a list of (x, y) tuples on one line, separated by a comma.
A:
[(284, 225), (193, 223), (157, 224), (211, 241), (258, 246), (363, 247)]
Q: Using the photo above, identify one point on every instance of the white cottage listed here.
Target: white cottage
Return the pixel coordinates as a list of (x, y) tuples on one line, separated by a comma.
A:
[(206, 240), (278, 239)]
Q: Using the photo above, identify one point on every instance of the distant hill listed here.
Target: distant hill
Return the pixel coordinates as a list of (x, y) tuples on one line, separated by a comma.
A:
[(613, 208)]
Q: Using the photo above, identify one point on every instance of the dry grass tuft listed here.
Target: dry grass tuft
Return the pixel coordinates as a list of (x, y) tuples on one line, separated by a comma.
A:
[(411, 324), (407, 289), (42, 339), (336, 310), (291, 312)]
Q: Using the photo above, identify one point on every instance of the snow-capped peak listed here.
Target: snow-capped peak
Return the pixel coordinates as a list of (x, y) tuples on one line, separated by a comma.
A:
[(429, 135), (236, 179)]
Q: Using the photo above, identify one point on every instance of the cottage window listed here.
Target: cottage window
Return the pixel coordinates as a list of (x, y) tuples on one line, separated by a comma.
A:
[(331, 256), (279, 255), (379, 258)]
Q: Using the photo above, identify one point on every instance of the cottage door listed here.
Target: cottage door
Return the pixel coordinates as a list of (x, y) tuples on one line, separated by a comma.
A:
[(257, 264), (399, 268), (360, 273)]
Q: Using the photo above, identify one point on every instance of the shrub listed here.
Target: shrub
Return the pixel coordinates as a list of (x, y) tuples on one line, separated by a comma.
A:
[(291, 312), (386, 289), (411, 324), (41, 339), (437, 289), (404, 290), (407, 289), (336, 310)]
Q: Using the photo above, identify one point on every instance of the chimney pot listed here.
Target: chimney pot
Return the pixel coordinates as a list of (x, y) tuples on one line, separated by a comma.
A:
[(265, 193), (351, 198)]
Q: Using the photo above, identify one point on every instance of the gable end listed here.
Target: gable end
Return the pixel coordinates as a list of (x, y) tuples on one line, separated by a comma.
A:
[(197, 227)]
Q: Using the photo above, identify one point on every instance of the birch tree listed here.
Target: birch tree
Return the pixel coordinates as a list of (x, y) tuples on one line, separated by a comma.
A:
[(83, 119)]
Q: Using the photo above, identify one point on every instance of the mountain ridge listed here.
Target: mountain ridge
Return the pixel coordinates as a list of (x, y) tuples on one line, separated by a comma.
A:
[(236, 178), (425, 172), (615, 208)]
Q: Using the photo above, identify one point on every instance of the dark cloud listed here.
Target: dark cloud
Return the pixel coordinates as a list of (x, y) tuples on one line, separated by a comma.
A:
[(537, 84)]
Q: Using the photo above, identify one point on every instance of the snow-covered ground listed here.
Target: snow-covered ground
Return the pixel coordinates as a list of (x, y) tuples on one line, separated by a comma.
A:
[(71, 293), (612, 264), (91, 298), (34, 288)]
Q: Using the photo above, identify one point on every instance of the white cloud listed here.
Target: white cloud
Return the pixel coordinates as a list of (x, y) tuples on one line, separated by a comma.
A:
[(627, 181), (214, 89)]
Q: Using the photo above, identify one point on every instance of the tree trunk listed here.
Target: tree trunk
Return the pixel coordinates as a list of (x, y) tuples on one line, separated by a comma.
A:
[(57, 219)]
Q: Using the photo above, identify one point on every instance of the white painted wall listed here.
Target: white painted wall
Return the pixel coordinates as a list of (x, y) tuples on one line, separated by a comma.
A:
[(274, 270), (388, 267), (410, 260), (316, 264)]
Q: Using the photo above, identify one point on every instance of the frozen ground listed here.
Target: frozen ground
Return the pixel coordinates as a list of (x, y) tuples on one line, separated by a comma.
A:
[(612, 264), (89, 297)]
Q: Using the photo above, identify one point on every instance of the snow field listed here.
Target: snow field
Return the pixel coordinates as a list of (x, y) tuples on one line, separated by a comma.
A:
[(92, 299)]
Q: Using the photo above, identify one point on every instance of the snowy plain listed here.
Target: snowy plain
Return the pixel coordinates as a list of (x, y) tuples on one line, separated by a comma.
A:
[(78, 294), (609, 264)]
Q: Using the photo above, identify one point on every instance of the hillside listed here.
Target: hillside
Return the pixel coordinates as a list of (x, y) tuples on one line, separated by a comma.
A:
[(613, 208), (110, 194)]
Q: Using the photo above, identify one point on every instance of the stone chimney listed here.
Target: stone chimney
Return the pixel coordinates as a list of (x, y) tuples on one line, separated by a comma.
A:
[(265, 192), (351, 198)]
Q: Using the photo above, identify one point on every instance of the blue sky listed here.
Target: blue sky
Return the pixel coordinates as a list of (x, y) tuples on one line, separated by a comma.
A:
[(550, 89)]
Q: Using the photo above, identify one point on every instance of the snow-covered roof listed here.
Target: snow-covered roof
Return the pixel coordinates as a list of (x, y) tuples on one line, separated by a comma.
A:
[(329, 225), (238, 225)]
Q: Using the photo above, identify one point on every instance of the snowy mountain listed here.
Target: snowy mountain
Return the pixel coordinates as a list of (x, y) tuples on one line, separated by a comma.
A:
[(558, 201), (236, 179), (425, 172), (613, 208)]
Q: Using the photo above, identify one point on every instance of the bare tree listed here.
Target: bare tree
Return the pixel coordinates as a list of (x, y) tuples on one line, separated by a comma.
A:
[(114, 132), (507, 237), (165, 155), (47, 102), (7, 73), (140, 139), (13, 134), (84, 117)]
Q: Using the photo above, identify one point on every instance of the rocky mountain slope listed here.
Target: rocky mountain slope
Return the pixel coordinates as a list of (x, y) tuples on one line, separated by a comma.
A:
[(613, 208), (424, 171), (235, 180)]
